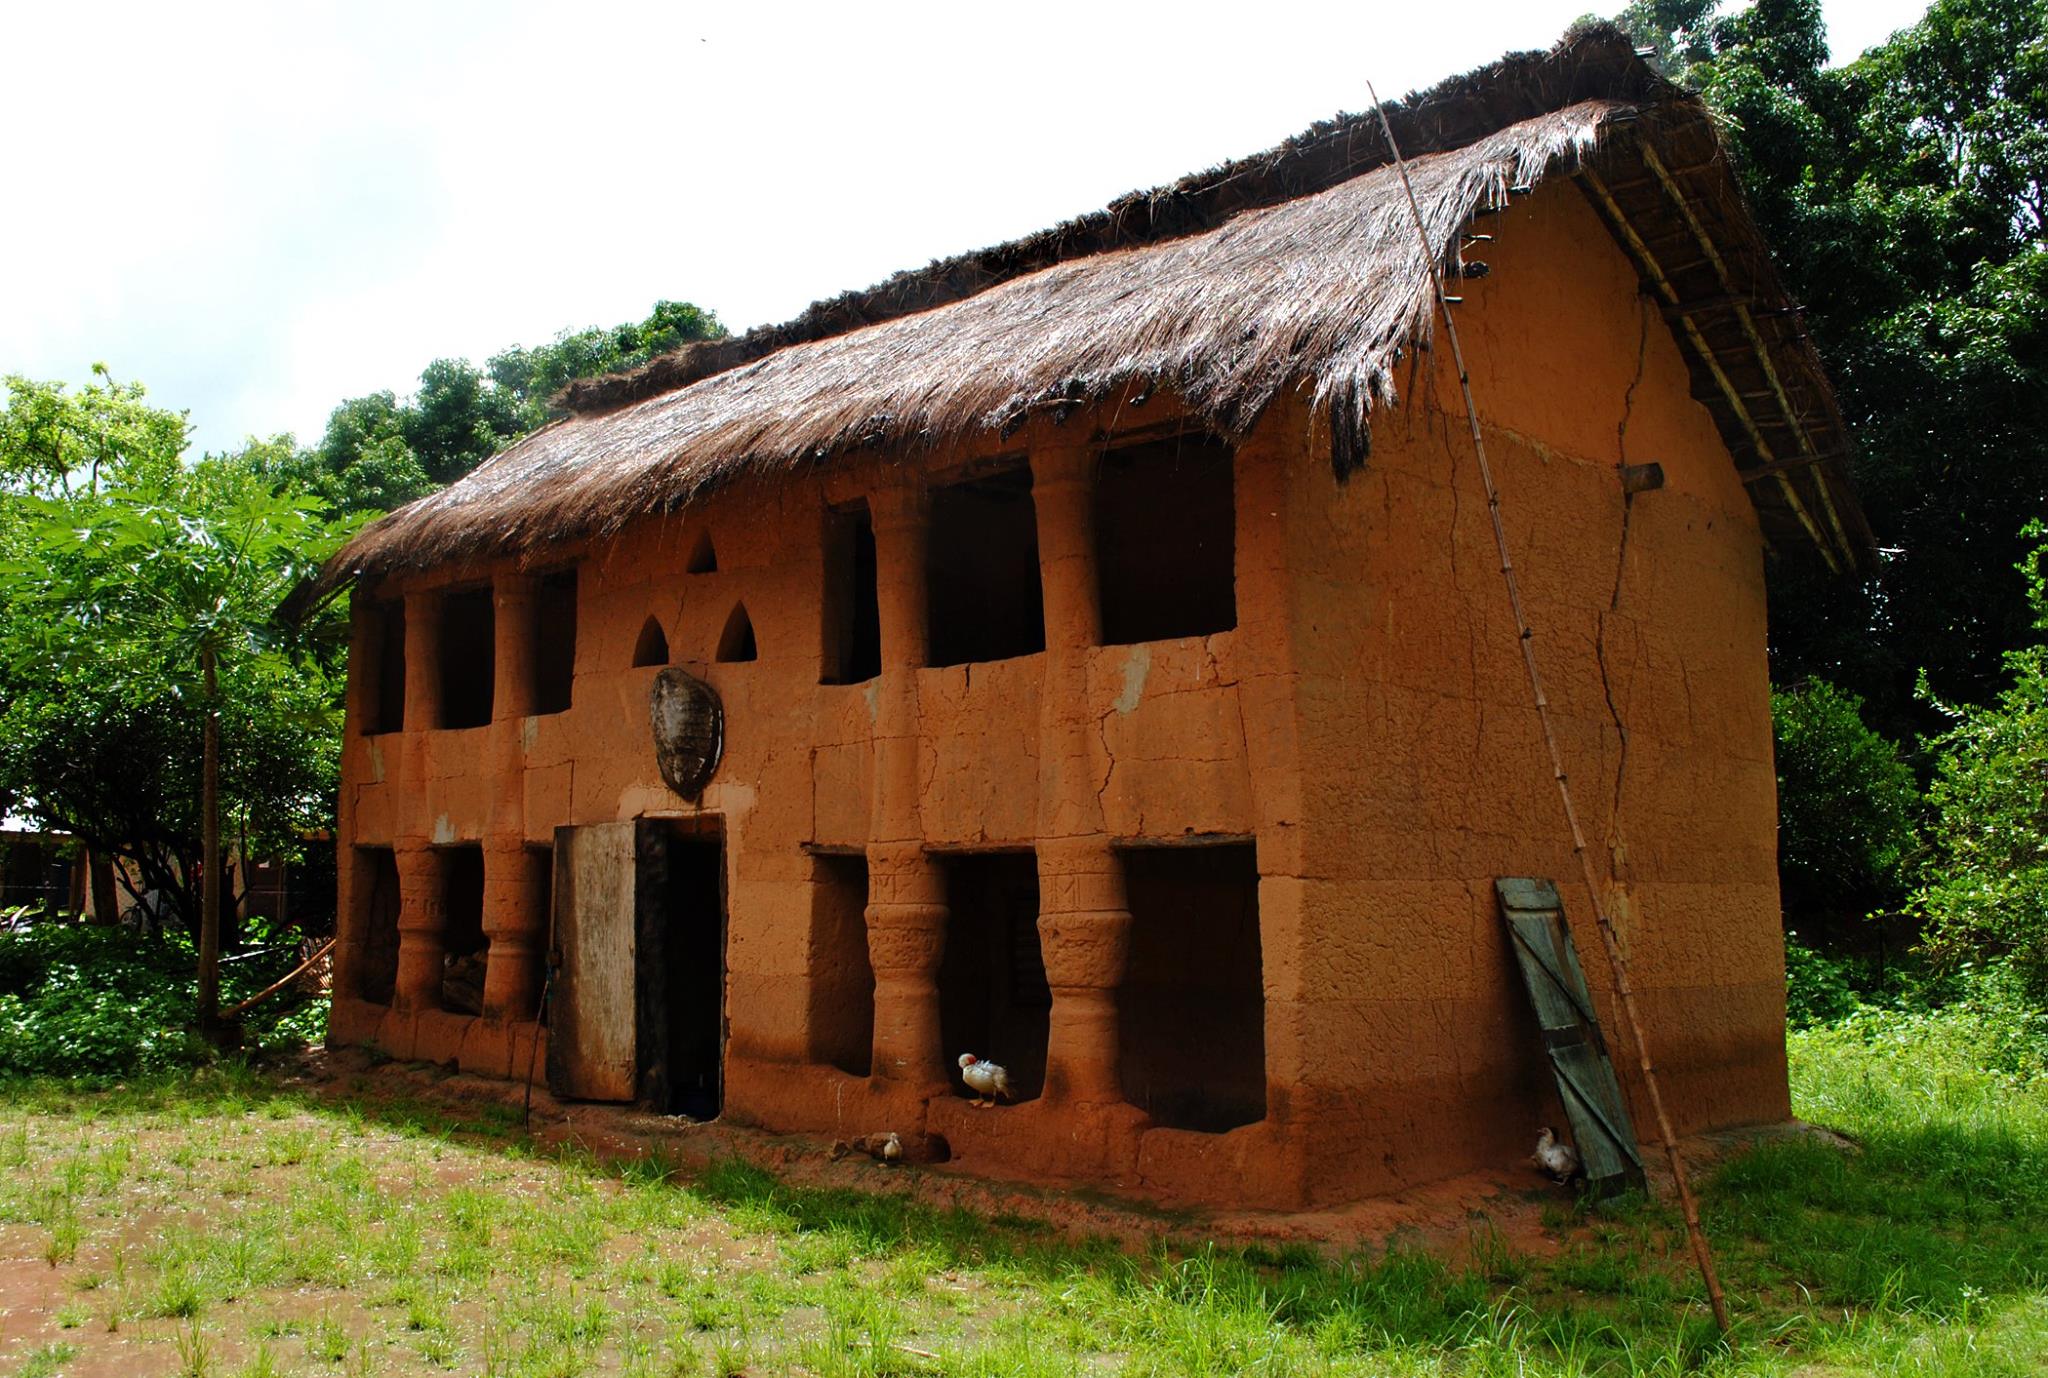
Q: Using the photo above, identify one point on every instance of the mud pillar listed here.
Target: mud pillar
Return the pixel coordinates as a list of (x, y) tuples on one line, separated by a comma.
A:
[(513, 619), (422, 926), (906, 938), (1084, 927), (422, 661), (515, 921), (1084, 920), (515, 910), (906, 910)]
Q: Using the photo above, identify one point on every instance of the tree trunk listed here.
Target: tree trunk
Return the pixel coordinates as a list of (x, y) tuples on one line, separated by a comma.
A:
[(209, 850), (106, 901)]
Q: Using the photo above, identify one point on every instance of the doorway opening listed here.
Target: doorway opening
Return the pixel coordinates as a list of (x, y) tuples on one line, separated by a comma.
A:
[(993, 998), (682, 967)]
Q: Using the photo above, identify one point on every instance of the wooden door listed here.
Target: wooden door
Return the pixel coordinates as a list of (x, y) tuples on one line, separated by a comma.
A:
[(593, 1051)]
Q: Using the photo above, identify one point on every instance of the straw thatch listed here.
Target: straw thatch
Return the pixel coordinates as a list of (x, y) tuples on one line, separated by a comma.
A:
[(1298, 268)]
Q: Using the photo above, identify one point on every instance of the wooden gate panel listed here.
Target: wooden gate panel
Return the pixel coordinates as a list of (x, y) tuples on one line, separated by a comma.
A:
[(1572, 1039), (592, 1042)]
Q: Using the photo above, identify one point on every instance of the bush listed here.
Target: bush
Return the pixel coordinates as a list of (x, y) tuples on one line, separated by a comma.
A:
[(1846, 807), (97, 1003), (1984, 903), (1820, 988)]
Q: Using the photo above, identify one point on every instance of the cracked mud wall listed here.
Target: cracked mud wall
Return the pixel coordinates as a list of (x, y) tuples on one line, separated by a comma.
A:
[(1429, 776)]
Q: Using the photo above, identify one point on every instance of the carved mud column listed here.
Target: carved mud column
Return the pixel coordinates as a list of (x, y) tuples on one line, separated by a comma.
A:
[(422, 926), (906, 910), (515, 920), (422, 661), (1084, 919), (515, 910), (512, 692)]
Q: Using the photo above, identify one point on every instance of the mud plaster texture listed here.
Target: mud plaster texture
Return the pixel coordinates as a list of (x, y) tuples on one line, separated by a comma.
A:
[(1365, 727)]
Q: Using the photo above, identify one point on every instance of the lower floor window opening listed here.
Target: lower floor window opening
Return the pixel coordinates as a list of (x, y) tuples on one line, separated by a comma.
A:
[(375, 903), (841, 1008), (1193, 1007), (466, 951), (993, 999)]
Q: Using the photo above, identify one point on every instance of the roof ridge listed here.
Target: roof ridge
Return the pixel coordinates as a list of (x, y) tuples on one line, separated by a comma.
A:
[(1593, 59)]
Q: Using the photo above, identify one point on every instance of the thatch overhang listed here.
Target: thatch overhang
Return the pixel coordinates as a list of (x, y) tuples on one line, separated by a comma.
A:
[(1297, 268)]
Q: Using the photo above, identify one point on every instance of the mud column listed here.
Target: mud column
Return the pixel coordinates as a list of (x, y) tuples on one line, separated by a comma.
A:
[(515, 910), (422, 888), (906, 910), (422, 926), (1084, 920)]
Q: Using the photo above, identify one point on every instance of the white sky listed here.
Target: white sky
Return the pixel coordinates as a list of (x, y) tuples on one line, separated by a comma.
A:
[(260, 210)]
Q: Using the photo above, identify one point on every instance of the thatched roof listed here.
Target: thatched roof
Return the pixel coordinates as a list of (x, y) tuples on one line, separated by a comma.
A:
[(1295, 268)]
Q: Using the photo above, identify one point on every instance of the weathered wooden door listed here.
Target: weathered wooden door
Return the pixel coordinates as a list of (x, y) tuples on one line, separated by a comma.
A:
[(1571, 1032), (593, 1050)]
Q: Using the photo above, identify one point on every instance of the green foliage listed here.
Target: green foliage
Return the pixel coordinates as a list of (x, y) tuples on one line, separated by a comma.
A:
[(1846, 806), (1985, 904), (379, 452), (1903, 195), (1821, 988), (99, 1003), (114, 591)]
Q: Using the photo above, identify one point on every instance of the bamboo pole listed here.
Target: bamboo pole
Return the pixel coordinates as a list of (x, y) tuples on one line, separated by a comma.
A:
[(279, 984), (1702, 1253)]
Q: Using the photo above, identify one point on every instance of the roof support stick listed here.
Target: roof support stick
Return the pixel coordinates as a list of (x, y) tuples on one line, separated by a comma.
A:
[(1703, 1254)]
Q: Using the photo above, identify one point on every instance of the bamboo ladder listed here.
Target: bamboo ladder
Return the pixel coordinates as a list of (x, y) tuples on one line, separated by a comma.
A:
[(1703, 1254)]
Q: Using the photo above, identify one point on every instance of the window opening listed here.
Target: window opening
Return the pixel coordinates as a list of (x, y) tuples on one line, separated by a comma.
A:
[(1165, 540), (465, 948), (842, 996), (554, 642), (993, 998), (468, 655), (981, 571), (385, 702), (850, 605), (376, 915), (736, 642), (703, 557), (652, 647), (1192, 1007)]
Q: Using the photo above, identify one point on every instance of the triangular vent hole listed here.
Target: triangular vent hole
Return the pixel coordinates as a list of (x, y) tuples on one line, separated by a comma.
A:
[(736, 642), (652, 647)]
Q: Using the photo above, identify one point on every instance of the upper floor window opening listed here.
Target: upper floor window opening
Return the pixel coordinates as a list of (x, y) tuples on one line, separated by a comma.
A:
[(982, 586), (1166, 539)]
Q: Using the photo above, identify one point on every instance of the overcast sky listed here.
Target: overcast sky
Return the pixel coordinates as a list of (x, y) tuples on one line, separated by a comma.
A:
[(260, 210)]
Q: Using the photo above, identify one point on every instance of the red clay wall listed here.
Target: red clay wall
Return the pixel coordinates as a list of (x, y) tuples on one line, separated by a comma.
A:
[(1366, 723)]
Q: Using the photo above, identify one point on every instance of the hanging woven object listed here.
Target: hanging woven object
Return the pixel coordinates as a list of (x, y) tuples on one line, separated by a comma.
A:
[(689, 730)]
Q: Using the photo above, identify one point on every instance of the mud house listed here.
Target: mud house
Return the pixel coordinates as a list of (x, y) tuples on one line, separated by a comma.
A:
[(1089, 654)]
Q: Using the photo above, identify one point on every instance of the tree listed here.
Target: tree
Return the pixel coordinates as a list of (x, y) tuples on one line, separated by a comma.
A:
[(1903, 196), (379, 452), (1847, 805), (138, 608)]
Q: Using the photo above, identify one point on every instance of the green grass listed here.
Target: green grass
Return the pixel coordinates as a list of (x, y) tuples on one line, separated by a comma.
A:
[(226, 1226)]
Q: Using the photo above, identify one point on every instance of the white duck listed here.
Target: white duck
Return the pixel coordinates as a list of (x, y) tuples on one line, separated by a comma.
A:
[(1558, 1159), (985, 1079)]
